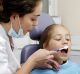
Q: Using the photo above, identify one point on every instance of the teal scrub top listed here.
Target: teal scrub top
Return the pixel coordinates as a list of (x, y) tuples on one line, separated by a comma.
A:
[(67, 68)]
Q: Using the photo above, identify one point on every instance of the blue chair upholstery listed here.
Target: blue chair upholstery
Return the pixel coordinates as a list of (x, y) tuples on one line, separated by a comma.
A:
[(27, 51), (43, 21)]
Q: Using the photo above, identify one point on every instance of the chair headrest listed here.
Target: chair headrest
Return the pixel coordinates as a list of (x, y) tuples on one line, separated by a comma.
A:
[(44, 20)]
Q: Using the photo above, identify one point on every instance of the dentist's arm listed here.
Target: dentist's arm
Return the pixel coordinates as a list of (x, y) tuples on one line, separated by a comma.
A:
[(39, 55)]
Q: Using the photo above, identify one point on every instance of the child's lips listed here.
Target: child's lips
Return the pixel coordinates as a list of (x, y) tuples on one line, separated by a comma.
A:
[(64, 49), (64, 54)]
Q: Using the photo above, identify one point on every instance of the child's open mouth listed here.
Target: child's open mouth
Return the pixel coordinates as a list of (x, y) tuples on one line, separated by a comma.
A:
[(64, 50), (64, 53)]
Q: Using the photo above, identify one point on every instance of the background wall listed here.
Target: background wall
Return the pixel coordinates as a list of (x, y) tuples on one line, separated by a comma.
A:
[(45, 6), (69, 10)]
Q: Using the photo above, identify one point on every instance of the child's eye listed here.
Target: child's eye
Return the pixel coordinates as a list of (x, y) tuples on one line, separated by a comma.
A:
[(57, 39), (68, 39)]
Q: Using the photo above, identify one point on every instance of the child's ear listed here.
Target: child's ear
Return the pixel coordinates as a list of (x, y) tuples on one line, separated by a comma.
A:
[(44, 45)]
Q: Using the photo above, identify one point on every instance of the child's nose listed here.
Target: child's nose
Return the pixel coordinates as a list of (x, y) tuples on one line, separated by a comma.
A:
[(65, 41)]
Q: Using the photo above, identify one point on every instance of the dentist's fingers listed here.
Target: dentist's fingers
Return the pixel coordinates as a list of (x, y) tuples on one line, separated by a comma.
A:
[(52, 52), (54, 64), (42, 54)]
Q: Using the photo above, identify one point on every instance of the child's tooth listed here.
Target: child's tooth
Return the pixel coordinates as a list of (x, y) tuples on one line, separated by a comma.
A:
[(65, 47)]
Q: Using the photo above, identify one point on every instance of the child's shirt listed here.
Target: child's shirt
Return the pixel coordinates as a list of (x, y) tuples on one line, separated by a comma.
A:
[(67, 68)]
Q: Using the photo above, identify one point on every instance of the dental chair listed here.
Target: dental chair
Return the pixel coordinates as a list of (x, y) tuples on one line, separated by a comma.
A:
[(44, 20)]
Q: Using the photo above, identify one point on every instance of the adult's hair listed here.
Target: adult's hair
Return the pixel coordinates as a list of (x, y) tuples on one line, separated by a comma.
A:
[(48, 33), (20, 7)]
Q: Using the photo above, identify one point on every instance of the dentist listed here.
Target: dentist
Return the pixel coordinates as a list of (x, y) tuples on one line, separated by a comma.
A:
[(17, 17)]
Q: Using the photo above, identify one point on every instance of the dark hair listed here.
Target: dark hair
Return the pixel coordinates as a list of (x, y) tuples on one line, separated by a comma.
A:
[(20, 7)]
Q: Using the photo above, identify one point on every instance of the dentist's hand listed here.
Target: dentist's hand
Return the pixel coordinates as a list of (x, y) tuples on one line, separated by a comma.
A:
[(43, 59), (42, 54), (51, 64), (35, 58)]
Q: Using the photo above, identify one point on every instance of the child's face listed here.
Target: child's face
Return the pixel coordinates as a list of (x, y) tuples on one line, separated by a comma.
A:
[(60, 38)]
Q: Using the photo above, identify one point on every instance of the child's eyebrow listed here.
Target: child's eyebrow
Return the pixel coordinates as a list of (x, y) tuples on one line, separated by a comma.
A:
[(68, 34), (56, 35), (59, 35)]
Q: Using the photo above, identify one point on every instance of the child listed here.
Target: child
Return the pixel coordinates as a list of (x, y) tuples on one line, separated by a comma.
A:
[(57, 38)]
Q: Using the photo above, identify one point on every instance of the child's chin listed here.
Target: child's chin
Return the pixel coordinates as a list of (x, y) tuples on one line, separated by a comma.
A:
[(64, 58)]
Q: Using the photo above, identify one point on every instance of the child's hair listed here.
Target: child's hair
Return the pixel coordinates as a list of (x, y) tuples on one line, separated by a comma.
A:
[(47, 34), (20, 7)]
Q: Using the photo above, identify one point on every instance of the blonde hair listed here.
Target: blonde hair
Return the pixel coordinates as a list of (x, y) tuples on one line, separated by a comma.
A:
[(47, 34)]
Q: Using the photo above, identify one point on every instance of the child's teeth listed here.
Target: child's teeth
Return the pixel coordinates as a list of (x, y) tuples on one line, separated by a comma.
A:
[(65, 47)]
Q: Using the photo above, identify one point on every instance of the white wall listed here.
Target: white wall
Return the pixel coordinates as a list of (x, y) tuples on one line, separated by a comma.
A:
[(69, 10), (45, 6)]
